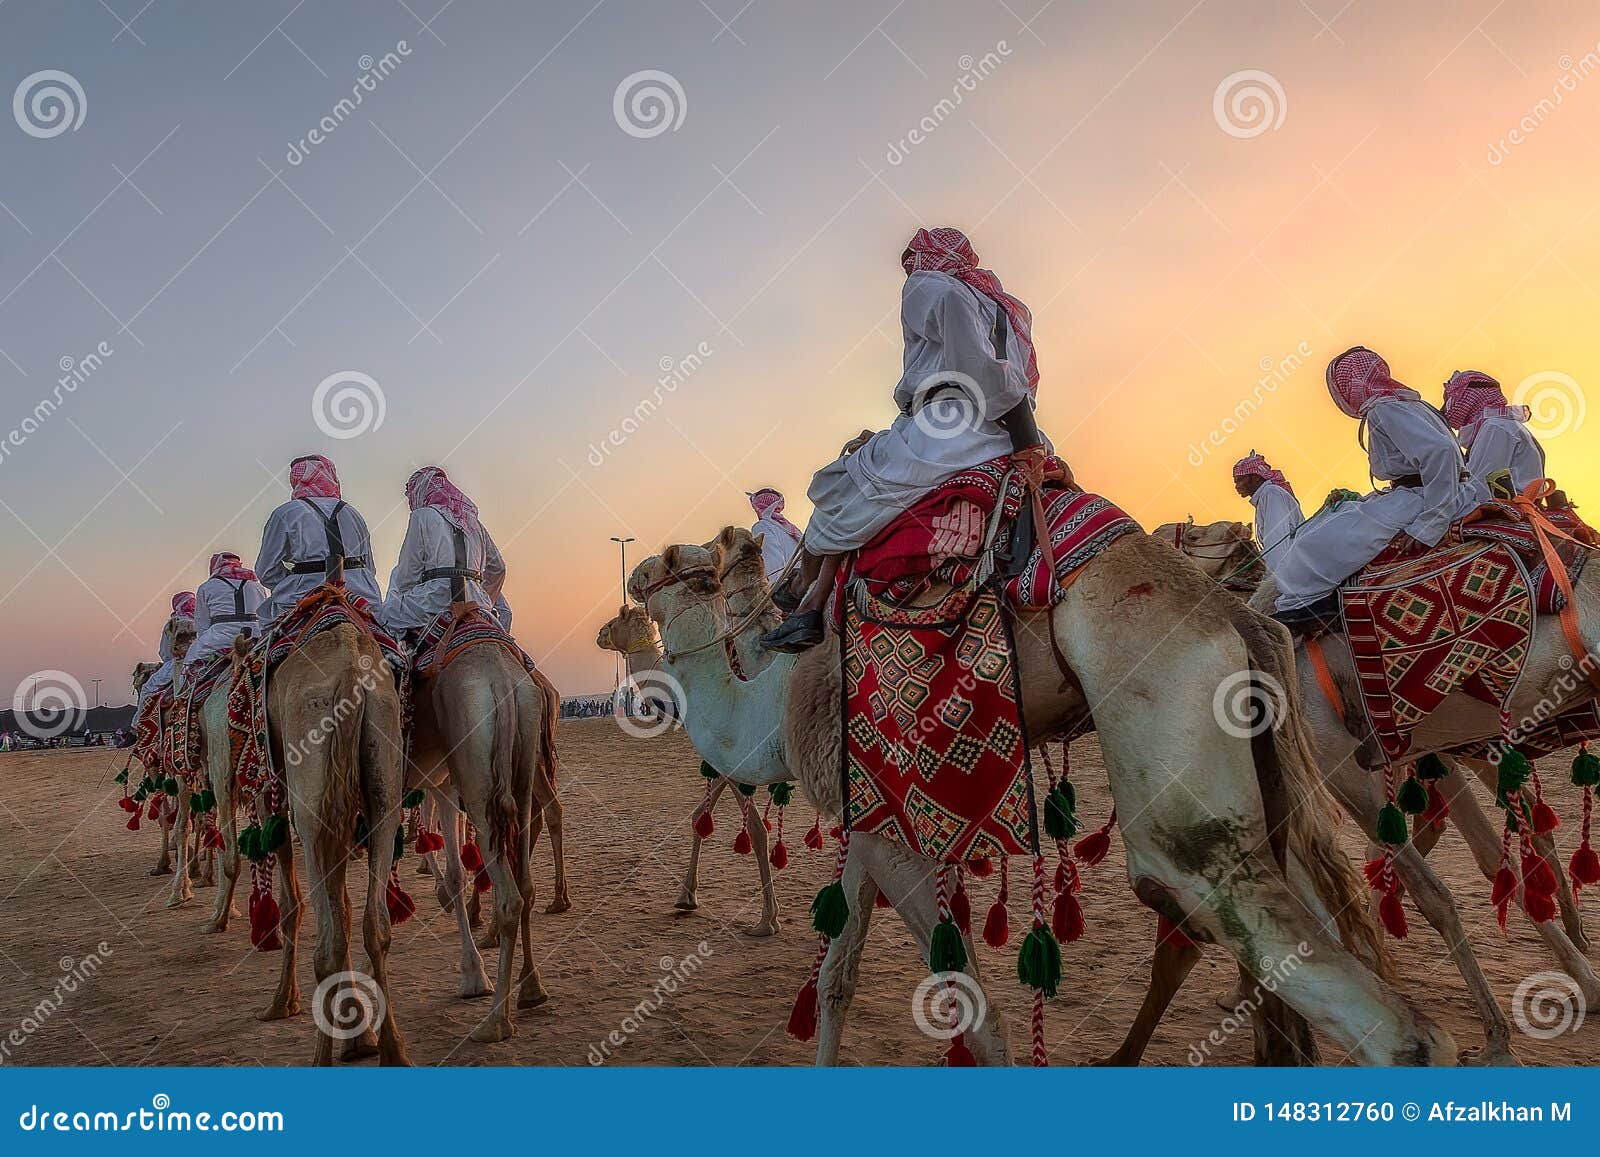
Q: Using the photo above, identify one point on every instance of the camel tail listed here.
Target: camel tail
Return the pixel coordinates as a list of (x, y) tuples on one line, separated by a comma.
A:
[(342, 799), (504, 790), (552, 712), (1288, 765)]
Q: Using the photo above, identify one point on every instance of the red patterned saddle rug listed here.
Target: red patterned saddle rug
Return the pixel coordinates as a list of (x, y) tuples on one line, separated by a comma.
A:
[(935, 755), (448, 637), (1536, 738), (1461, 619), (1498, 522)]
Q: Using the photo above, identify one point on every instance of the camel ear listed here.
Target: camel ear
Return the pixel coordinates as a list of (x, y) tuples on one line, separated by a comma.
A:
[(670, 557), (727, 537), (760, 540)]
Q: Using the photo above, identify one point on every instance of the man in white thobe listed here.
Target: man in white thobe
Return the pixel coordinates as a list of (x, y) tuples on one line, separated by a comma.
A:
[(226, 605), (780, 538), (183, 609), (303, 533), (1493, 432), (1408, 445), (447, 557), (966, 396), (1277, 509)]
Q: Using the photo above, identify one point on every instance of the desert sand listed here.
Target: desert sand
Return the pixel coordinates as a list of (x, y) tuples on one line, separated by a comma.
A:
[(72, 878)]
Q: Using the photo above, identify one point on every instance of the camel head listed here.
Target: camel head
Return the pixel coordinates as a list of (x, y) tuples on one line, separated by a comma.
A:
[(629, 633), (739, 561), (182, 639), (141, 675), (695, 569), (1219, 548)]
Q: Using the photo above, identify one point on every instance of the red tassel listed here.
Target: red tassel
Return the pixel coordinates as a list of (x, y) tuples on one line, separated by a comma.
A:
[(471, 857), (704, 825), (780, 856), (1167, 931), (961, 909), (1067, 920), (981, 867), (997, 926), (1539, 906), (126, 804), (481, 880), (803, 1016), (1545, 819), (958, 1055), (1093, 848), (881, 901), (1374, 871), (814, 836), (399, 902), (264, 923), (1505, 886), (1537, 875), (1438, 809), (1585, 867), (1392, 915), (1063, 881), (212, 838), (741, 842), (835, 832), (154, 811)]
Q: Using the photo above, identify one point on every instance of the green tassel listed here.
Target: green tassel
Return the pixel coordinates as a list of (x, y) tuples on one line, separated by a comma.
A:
[(745, 789), (830, 910), (209, 798), (1060, 819), (946, 952), (708, 771), (1513, 774), (250, 844), (412, 799), (1039, 961), (122, 776), (781, 793), (141, 795), (1412, 796), (1431, 767), (399, 843), (197, 803), (1391, 825), (274, 833), (361, 831), (170, 786), (1586, 769)]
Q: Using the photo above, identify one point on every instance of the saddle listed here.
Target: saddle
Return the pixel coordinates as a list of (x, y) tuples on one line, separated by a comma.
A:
[(453, 633)]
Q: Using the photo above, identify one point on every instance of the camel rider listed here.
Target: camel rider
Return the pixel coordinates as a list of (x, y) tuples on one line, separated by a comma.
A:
[(782, 537), (1408, 445), (965, 396), (1277, 509), (226, 606), (447, 557), (183, 606), (304, 533), (1493, 433)]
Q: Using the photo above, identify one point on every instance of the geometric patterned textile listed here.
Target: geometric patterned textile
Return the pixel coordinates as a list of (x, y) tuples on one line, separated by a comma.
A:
[(1457, 619), (935, 755), (470, 630)]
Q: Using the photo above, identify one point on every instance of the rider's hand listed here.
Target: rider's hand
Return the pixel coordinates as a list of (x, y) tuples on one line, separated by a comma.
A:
[(856, 443)]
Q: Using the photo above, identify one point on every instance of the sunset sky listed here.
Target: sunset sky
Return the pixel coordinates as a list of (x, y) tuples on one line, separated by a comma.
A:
[(485, 240)]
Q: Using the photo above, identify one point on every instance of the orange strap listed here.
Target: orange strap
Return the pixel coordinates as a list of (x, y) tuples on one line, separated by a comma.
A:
[(1319, 665), (1527, 505)]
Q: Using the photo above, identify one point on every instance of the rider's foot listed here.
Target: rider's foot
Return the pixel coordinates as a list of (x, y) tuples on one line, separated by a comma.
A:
[(799, 632), (1312, 619)]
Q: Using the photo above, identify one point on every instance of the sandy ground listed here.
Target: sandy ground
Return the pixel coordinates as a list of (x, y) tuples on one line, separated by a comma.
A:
[(71, 878)]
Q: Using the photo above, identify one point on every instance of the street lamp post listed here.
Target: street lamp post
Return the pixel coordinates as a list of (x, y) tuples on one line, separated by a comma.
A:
[(97, 692), (617, 662)]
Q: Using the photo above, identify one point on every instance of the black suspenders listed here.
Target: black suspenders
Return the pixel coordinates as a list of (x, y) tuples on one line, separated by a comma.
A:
[(239, 614), (458, 574), (330, 527)]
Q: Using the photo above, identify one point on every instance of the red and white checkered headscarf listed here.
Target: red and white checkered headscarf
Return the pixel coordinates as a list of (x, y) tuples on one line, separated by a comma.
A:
[(183, 604), (313, 477), (1255, 466), (946, 250), (1472, 397), (1358, 377), (768, 504), (226, 564), (430, 487)]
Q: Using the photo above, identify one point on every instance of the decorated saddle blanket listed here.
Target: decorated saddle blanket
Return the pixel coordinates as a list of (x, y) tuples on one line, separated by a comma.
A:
[(448, 637), (935, 754), (1498, 522), (1457, 619), (1536, 738), (940, 540), (147, 738)]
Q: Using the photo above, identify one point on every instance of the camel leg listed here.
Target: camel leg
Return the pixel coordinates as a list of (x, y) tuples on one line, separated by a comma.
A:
[(686, 901), (757, 827), (286, 1000), (547, 807), (1484, 841), (164, 861), (182, 890), (425, 816), (530, 987), (505, 924), (332, 952), (841, 967), (228, 857), (1175, 956), (377, 932), (448, 885)]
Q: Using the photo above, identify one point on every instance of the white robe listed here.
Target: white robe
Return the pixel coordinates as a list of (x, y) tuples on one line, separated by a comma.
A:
[(294, 534), (163, 674), (777, 548), (1506, 444), (214, 600), (430, 542), (1403, 437), (1277, 517), (947, 329)]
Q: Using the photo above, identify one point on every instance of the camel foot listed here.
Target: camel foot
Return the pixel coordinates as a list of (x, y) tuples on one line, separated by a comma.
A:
[(214, 926), (489, 940), (1115, 1061), (767, 927), (281, 1009), (1489, 1054), (161, 870), (182, 898), (493, 1031), (446, 898), (360, 1047), (685, 902), (557, 906), (472, 987), (1231, 999), (396, 1059), (532, 993)]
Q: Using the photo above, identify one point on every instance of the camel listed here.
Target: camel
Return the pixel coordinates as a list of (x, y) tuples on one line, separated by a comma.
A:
[(183, 636), (1204, 856), (1225, 551), (484, 732), (333, 718), (1360, 793)]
